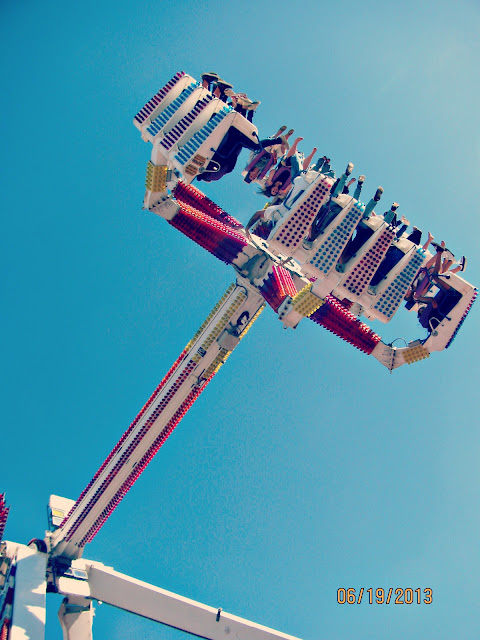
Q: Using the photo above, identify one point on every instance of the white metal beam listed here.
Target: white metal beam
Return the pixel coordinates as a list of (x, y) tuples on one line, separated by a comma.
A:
[(117, 589), (28, 580), (76, 618)]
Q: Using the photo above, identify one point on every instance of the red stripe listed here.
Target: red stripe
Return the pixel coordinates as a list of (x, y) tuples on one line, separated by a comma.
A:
[(192, 196), (141, 466), (126, 434), (216, 237), (338, 320), (132, 446)]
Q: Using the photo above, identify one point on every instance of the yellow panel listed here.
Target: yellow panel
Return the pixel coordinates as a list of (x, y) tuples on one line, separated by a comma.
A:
[(414, 354), (156, 177), (305, 302), (217, 362)]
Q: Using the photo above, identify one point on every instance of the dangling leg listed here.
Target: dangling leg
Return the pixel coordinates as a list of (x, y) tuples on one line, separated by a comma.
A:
[(251, 109), (291, 159), (208, 79), (415, 236), (440, 282), (433, 276), (426, 300), (390, 216), (371, 205), (423, 279), (232, 139), (342, 180), (446, 264), (285, 145), (358, 188), (346, 188), (403, 227), (438, 259), (323, 164), (238, 106), (280, 131), (294, 167), (429, 240), (308, 159), (447, 260), (293, 149), (315, 227), (462, 265), (421, 284), (434, 262)]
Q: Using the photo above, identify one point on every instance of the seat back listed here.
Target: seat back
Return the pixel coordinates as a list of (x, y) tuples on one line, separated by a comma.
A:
[(295, 224), (161, 101), (390, 293), (167, 118), (359, 270), (191, 123), (328, 247)]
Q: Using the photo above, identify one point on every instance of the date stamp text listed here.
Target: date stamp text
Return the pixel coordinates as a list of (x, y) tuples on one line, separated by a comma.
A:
[(380, 595)]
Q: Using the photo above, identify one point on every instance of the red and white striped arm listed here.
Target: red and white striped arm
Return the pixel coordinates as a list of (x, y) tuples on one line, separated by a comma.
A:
[(221, 332), (3, 514)]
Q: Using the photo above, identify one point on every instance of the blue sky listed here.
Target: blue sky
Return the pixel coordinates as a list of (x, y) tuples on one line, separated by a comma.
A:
[(306, 466)]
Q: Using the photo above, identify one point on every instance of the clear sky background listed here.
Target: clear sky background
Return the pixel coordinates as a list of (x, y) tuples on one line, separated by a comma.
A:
[(305, 466)]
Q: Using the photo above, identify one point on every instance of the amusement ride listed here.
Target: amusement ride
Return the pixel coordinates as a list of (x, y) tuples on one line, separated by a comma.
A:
[(314, 252)]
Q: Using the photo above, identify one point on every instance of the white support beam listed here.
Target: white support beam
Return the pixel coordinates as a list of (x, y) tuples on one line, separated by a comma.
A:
[(76, 618), (119, 590), (27, 579)]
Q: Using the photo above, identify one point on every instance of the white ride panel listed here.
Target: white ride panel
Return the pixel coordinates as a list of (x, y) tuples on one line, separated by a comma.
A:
[(166, 102)]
